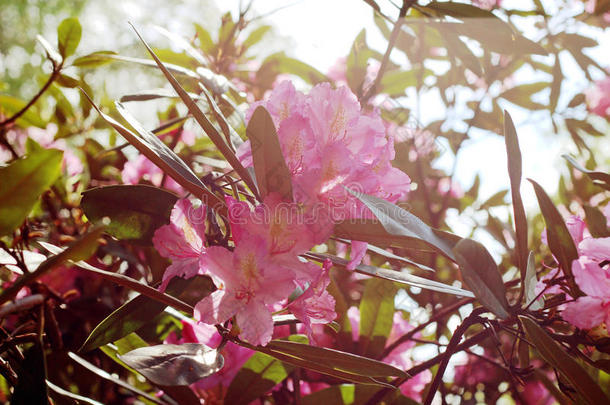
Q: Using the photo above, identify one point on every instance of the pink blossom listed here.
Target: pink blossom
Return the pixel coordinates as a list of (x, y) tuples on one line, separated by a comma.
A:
[(315, 305), (182, 241), (598, 97), (141, 168), (262, 270), (330, 144), (487, 4)]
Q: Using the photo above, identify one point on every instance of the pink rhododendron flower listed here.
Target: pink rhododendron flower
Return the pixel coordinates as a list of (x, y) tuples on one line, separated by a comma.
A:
[(598, 97), (487, 4), (262, 270), (182, 241), (141, 168)]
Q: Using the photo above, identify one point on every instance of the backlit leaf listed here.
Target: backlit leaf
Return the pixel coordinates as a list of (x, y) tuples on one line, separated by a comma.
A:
[(68, 36)]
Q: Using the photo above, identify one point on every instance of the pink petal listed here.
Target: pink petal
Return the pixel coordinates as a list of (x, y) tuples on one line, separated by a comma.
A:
[(357, 254), (217, 307), (585, 312), (595, 248), (592, 279), (256, 323), (185, 268)]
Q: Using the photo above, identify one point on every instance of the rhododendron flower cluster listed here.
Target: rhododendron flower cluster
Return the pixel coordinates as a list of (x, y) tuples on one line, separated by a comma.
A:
[(259, 274), (329, 143)]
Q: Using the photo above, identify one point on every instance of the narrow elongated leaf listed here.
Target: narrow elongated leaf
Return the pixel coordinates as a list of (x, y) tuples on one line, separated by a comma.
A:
[(514, 173), (256, 36), (272, 174), (398, 221), (135, 211), (51, 52), (180, 42), (522, 95), (174, 364), (68, 36), (596, 222), (567, 365), (202, 120), (397, 276), (139, 311), (81, 249), (23, 181), (11, 105), (151, 95), (599, 178), (376, 316), (156, 151), (335, 359), (94, 59), (126, 281), (560, 241), (258, 375), (481, 274), (530, 281)]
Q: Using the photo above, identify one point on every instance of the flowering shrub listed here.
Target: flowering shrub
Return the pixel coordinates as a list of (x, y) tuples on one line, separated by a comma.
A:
[(288, 236)]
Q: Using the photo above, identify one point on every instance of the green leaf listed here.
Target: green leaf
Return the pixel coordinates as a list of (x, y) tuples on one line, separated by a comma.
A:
[(170, 364), (205, 123), (259, 374), (68, 81), (397, 221), (136, 313), (135, 211), (495, 200), (560, 241), (557, 358), (256, 36), (332, 360), (272, 174), (395, 82), (376, 316), (94, 59), (522, 95), (10, 105), (68, 36), (481, 274), (23, 181), (596, 222), (515, 164), (530, 282), (599, 178), (278, 63), (402, 277), (206, 44), (162, 156)]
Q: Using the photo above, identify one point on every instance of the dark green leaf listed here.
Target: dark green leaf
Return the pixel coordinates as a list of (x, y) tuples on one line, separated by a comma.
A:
[(204, 122), (596, 222), (272, 174), (134, 314), (31, 385), (376, 316), (599, 178), (481, 274), (530, 282), (559, 239), (567, 365), (23, 181), (397, 221), (68, 36), (334, 359), (135, 211), (259, 374), (514, 160), (170, 364), (402, 277)]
